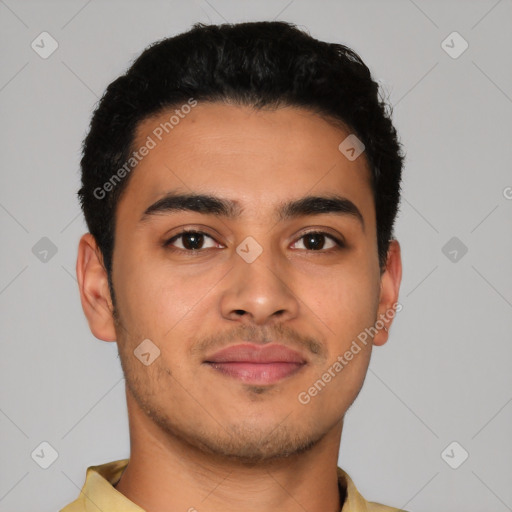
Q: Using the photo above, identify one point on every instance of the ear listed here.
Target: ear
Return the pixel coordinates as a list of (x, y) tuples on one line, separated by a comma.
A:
[(389, 289), (94, 291)]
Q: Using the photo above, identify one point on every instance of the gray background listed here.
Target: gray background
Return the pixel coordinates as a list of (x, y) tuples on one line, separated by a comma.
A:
[(444, 375)]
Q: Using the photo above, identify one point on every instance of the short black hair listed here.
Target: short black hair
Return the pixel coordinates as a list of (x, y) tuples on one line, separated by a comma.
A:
[(265, 64)]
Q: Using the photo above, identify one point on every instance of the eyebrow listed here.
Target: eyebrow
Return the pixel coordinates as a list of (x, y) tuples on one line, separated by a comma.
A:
[(207, 204)]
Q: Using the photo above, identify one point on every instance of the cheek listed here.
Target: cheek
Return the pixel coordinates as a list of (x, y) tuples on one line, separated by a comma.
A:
[(346, 302), (161, 299)]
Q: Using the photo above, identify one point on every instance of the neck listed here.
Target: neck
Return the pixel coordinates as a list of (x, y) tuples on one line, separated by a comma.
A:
[(167, 473)]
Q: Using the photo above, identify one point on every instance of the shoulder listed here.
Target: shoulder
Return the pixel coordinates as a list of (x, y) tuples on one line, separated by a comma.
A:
[(377, 507), (355, 502), (75, 506)]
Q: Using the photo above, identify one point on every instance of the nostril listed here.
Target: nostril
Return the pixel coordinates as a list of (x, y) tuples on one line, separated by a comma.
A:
[(240, 312)]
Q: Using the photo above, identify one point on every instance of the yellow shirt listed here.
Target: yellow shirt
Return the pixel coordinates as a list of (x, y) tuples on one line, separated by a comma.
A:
[(99, 493)]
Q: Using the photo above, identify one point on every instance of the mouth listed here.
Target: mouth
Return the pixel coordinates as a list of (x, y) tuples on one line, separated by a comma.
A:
[(256, 364)]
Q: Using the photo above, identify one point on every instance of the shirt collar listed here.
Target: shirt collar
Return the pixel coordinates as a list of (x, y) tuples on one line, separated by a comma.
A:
[(354, 502), (99, 493)]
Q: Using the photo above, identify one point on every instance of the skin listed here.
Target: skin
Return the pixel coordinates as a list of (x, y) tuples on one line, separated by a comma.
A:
[(198, 437)]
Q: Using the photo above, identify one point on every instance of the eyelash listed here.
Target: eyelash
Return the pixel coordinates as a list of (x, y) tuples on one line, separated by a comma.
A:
[(167, 244)]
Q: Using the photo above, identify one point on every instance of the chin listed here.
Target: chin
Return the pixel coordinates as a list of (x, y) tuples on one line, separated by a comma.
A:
[(253, 443)]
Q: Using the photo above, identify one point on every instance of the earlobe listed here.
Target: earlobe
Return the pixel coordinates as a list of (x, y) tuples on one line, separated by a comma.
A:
[(390, 288), (94, 291)]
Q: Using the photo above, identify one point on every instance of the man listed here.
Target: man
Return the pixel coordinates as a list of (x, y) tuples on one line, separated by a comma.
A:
[(240, 184)]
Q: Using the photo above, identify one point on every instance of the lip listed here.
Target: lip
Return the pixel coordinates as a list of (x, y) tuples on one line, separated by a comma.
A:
[(257, 364)]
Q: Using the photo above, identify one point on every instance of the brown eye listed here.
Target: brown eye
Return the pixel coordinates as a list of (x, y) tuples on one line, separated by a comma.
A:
[(190, 241), (318, 241)]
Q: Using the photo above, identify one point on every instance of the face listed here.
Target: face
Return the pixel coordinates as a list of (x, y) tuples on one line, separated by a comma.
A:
[(258, 268)]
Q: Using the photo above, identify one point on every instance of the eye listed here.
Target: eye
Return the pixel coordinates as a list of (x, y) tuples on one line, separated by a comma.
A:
[(190, 241), (194, 241), (316, 241)]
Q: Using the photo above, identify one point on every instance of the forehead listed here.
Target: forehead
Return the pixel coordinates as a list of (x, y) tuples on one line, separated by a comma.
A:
[(258, 158)]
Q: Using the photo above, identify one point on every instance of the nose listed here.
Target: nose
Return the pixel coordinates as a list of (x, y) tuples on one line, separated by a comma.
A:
[(260, 292)]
